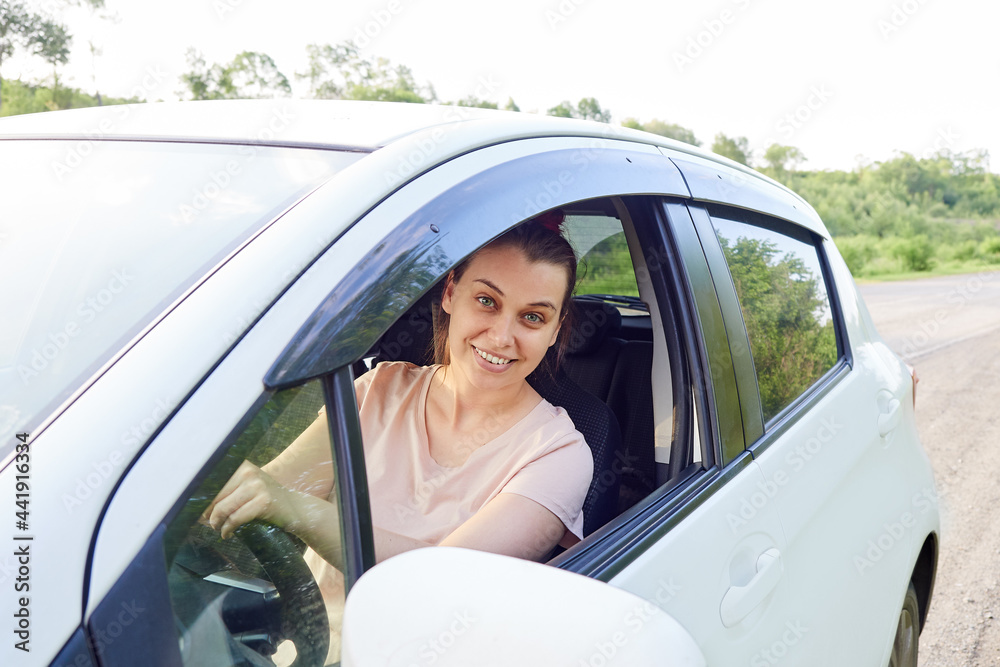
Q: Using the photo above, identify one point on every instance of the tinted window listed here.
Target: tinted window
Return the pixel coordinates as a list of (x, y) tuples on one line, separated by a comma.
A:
[(786, 307), (605, 265), (238, 600), (97, 238)]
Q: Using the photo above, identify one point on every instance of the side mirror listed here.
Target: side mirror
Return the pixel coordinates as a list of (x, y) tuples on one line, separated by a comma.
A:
[(454, 607)]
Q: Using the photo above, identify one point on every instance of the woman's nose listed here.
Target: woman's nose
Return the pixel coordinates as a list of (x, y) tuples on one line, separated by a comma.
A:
[(502, 332)]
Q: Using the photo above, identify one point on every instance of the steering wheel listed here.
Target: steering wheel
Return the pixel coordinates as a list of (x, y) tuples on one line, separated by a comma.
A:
[(303, 613)]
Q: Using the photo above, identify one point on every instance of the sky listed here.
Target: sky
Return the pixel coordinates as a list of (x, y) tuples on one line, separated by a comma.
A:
[(847, 83)]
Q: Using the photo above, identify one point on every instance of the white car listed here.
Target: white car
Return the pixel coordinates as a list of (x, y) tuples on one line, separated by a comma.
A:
[(187, 284)]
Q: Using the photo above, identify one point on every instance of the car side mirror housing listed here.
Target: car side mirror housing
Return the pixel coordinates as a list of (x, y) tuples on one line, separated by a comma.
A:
[(453, 607)]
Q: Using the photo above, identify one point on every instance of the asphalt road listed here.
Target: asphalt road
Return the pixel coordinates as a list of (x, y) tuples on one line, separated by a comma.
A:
[(949, 329)]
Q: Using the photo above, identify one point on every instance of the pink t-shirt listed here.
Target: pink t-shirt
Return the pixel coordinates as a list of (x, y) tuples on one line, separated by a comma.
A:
[(542, 457)]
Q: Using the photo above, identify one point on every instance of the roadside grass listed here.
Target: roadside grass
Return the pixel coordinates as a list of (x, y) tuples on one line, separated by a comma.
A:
[(939, 269)]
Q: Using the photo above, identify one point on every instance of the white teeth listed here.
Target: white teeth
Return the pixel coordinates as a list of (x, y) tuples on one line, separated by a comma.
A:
[(490, 358)]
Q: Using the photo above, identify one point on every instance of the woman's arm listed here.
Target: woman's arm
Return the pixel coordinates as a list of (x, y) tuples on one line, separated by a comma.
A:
[(511, 525), (306, 465)]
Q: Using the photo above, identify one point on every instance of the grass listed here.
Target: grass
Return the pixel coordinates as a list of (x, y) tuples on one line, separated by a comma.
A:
[(941, 269)]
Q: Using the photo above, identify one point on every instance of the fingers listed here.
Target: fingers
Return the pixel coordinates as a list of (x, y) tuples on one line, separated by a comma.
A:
[(246, 496)]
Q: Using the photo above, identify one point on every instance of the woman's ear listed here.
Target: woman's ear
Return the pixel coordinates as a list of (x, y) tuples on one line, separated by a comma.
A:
[(555, 335), (448, 293)]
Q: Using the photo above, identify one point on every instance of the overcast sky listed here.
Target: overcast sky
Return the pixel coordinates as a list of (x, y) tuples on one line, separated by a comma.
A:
[(847, 81)]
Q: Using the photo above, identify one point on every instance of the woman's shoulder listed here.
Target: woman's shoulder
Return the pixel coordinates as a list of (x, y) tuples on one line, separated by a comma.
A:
[(397, 371), (558, 428), (392, 378)]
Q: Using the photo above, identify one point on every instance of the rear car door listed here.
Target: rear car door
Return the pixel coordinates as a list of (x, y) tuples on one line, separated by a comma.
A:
[(847, 507)]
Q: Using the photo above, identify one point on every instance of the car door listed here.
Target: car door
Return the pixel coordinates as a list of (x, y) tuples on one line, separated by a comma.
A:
[(848, 502), (706, 546)]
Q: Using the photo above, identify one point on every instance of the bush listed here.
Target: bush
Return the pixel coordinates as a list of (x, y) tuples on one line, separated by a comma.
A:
[(916, 253), (989, 250), (964, 251), (857, 251)]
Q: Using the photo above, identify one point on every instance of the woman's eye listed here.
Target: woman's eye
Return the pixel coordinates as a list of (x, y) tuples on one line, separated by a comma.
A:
[(486, 301), (534, 318)]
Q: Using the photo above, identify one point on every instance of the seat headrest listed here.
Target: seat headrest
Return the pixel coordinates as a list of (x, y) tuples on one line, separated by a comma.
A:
[(593, 322), (411, 337)]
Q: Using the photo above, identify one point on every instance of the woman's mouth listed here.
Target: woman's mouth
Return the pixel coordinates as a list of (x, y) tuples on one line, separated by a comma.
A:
[(491, 358)]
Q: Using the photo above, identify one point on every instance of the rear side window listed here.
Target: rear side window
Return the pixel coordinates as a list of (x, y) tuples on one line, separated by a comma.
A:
[(786, 306)]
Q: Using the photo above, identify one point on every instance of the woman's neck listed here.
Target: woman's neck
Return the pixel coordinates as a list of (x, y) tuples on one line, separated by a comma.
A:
[(468, 405)]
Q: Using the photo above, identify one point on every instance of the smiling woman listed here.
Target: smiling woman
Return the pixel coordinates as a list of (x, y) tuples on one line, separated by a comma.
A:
[(509, 470), (461, 453)]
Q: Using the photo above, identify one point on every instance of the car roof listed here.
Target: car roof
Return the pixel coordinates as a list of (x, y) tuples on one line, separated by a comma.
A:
[(336, 124), (331, 124)]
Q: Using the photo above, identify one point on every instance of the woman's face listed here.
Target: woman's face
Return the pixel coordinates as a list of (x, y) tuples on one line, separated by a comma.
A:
[(505, 314)]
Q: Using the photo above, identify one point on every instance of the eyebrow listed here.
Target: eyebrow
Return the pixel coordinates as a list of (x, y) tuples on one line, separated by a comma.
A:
[(537, 304)]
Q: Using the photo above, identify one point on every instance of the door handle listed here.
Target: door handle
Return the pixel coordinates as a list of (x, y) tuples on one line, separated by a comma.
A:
[(889, 418), (739, 601)]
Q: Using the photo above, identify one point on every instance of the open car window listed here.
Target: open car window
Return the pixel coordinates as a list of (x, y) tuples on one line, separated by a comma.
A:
[(260, 597)]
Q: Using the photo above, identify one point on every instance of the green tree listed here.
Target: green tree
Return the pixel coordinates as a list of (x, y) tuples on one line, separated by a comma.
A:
[(51, 41), (781, 160), (511, 105), (737, 149), (475, 103), (250, 75), (587, 108), (341, 72), (17, 25), (254, 75), (664, 129)]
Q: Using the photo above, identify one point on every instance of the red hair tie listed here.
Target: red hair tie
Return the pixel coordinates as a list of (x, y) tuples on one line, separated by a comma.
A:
[(552, 221)]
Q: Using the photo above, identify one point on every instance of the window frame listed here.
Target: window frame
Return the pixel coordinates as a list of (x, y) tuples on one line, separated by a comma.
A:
[(664, 222), (759, 434)]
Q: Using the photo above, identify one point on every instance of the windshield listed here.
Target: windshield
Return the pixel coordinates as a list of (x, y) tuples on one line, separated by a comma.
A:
[(97, 238)]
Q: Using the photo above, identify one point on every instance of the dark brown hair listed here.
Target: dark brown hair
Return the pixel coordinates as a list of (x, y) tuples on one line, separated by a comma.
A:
[(539, 242)]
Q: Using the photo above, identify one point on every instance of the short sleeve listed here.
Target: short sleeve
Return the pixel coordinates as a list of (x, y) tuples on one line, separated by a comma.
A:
[(558, 481), (361, 385)]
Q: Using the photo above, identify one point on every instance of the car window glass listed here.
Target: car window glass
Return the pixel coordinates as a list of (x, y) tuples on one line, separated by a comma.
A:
[(786, 308), (605, 265), (87, 278), (261, 593)]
